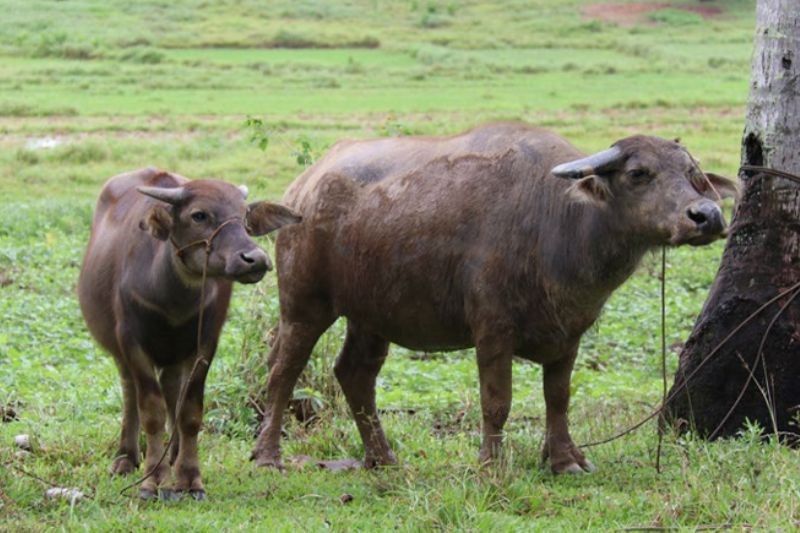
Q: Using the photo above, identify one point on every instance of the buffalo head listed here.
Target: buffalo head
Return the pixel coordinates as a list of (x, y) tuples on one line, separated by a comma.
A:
[(653, 187), (215, 212)]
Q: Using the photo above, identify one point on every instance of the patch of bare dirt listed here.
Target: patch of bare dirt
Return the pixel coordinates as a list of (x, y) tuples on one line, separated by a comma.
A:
[(5, 281), (636, 13)]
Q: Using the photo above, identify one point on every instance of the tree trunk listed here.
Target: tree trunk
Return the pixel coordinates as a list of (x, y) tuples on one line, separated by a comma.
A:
[(761, 259)]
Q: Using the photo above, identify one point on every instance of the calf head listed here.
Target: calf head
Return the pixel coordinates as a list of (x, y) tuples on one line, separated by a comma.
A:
[(209, 221), (654, 189)]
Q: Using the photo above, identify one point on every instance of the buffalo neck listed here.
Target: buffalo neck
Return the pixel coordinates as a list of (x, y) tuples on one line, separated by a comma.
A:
[(587, 250)]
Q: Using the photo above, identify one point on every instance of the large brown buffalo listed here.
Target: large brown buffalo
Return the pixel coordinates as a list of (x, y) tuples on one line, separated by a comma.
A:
[(505, 238), (153, 235)]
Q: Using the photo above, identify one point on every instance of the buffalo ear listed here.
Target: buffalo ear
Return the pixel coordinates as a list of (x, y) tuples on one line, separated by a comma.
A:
[(158, 223), (264, 217), (590, 190), (725, 187)]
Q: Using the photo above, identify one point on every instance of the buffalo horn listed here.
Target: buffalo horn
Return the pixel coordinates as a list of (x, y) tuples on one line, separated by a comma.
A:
[(171, 195), (593, 164)]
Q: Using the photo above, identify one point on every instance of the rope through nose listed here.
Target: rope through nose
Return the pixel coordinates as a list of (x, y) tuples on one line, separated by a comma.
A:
[(207, 242)]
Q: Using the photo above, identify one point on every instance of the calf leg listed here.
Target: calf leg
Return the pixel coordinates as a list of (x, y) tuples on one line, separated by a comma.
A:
[(189, 421), (356, 368), (494, 371), (289, 355), (559, 449), (153, 414), (171, 381), (126, 460)]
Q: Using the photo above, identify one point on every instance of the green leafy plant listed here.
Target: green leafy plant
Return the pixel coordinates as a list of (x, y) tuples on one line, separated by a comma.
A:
[(259, 132), (304, 153)]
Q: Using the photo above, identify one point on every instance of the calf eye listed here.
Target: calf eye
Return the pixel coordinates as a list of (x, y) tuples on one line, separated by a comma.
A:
[(639, 175), (199, 216)]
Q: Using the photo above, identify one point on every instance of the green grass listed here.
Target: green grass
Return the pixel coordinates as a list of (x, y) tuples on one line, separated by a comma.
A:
[(122, 85)]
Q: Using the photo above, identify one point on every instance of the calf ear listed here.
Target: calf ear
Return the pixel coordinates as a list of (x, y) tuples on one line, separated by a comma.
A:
[(590, 190), (263, 217), (158, 223), (719, 187)]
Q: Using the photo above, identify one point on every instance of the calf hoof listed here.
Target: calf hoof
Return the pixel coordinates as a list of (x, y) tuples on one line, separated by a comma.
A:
[(167, 495), (198, 495), (122, 466), (147, 495)]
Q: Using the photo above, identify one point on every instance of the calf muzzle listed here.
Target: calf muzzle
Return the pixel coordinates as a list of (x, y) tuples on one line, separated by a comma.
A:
[(248, 266)]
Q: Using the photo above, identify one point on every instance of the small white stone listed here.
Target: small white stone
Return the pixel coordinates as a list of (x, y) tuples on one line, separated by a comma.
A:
[(71, 495), (43, 143), (23, 442)]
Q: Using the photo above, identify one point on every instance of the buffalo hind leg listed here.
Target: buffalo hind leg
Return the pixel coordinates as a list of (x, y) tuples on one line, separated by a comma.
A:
[(559, 449), (494, 372), (356, 368), (126, 460), (289, 355)]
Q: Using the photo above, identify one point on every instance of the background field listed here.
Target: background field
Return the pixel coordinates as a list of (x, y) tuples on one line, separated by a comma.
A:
[(92, 88)]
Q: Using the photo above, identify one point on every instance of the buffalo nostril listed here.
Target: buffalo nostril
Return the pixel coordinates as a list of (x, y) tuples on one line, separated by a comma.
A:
[(707, 217), (697, 216), (246, 258)]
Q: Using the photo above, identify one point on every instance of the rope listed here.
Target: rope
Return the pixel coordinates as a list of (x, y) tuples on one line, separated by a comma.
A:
[(751, 372), (771, 172), (663, 350)]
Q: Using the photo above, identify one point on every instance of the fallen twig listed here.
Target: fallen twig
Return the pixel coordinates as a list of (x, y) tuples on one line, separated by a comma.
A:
[(663, 350)]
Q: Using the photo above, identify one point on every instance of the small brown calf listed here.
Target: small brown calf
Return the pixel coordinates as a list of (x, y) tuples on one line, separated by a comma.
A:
[(154, 234)]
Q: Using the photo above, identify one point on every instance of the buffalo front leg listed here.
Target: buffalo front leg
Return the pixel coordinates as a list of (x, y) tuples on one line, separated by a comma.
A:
[(562, 453), (494, 371), (189, 420), (356, 368), (289, 355), (126, 460)]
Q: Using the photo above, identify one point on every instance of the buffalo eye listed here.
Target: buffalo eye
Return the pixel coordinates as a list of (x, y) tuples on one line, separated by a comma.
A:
[(639, 175), (199, 216)]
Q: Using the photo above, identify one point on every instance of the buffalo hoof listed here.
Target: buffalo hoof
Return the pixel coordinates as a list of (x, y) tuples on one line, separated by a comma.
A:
[(488, 461), (268, 462), (147, 495), (198, 495), (376, 462), (584, 467), (122, 466)]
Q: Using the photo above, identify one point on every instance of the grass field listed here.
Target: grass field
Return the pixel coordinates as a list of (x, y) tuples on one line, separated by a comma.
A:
[(92, 88)]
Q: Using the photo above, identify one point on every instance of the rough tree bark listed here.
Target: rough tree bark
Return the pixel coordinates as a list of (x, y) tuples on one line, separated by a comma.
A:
[(762, 258)]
